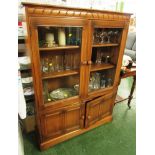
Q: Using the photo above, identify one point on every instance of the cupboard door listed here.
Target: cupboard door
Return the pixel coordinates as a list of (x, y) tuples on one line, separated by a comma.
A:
[(53, 124), (64, 120), (74, 118), (98, 109)]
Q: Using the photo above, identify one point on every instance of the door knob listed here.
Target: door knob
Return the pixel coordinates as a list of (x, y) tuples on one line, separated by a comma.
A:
[(82, 117), (89, 117), (84, 62), (89, 62)]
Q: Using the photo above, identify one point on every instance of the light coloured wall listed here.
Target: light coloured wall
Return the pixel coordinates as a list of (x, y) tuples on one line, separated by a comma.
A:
[(20, 142), (128, 6), (95, 4)]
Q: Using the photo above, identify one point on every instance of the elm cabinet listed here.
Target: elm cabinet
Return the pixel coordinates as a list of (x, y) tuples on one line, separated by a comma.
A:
[(76, 57)]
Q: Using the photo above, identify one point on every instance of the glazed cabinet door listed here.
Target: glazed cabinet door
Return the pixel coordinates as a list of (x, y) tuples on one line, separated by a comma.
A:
[(104, 56), (99, 108), (58, 55), (62, 121)]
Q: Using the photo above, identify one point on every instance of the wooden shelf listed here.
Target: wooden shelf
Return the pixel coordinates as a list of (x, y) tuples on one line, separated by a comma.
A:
[(58, 48), (29, 98), (21, 48), (25, 69), (21, 37), (97, 67), (59, 74), (105, 45)]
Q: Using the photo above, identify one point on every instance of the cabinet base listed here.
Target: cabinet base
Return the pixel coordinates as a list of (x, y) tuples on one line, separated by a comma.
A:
[(67, 136)]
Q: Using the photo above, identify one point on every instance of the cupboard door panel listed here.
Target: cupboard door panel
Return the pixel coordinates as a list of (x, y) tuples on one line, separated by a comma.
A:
[(93, 112), (64, 120), (53, 124), (98, 109), (105, 108), (74, 118)]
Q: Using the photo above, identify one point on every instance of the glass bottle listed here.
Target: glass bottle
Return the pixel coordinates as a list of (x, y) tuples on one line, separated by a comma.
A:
[(51, 65), (69, 39), (56, 66), (109, 82), (116, 36), (103, 81), (110, 35), (45, 65), (76, 61), (98, 57), (91, 87), (68, 61), (61, 62), (46, 94), (97, 80), (107, 59)]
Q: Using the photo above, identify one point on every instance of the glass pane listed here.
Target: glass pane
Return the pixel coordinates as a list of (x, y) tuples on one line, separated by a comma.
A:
[(60, 88), (107, 35), (101, 79), (60, 53), (59, 36), (105, 50)]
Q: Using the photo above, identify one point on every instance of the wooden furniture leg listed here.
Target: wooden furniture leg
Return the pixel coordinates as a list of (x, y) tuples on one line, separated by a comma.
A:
[(132, 90)]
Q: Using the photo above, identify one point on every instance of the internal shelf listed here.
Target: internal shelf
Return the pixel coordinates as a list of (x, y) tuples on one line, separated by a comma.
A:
[(29, 98), (104, 45), (59, 74), (99, 91), (58, 48), (97, 67), (25, 69)]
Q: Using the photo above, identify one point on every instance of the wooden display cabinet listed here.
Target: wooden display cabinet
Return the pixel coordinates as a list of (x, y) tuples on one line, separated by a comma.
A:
[(76, 57)]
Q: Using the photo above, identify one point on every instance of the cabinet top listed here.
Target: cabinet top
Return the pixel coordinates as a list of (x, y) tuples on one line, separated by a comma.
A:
[(45, 9)]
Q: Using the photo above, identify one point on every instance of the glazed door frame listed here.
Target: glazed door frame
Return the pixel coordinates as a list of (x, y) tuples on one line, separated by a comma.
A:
[(34, 22), (105, 24)]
